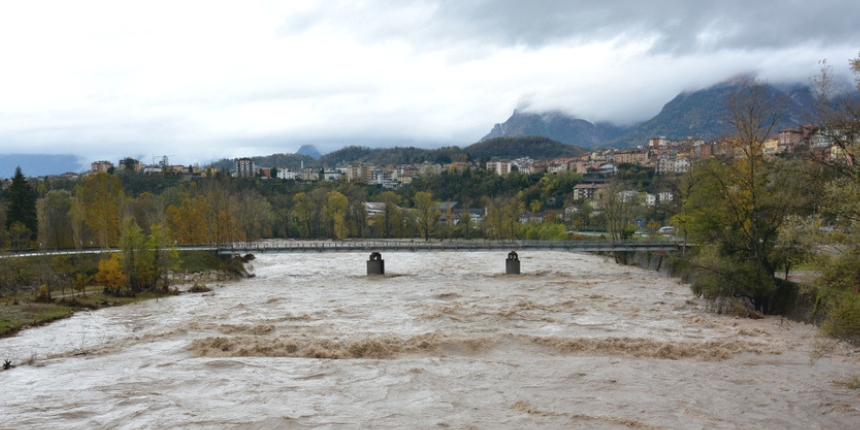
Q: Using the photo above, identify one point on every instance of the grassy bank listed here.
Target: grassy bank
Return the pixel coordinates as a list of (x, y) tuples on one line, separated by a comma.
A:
[(21, 305), (23, 310)]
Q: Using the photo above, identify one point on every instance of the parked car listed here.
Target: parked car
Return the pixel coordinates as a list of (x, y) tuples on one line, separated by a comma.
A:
[(666, 230)]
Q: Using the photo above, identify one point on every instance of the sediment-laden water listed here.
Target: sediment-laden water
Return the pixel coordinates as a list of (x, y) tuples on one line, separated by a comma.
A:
[(443, 340)]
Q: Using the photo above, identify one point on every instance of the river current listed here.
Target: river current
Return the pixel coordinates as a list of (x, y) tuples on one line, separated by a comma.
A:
[(442, 340)]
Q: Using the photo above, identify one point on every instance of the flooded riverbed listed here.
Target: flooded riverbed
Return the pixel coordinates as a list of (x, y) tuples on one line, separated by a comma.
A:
[(443, 340)]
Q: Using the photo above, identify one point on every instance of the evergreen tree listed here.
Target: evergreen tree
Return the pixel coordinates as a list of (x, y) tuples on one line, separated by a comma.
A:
[(21, 206)]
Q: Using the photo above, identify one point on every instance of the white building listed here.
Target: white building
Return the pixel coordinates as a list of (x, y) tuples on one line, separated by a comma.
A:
[(286, 173)]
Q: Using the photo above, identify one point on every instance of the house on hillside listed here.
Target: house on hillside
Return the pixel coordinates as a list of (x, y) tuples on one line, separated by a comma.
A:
[(330, 175), (500, 167), (101, 166), (286, 173), (586, 191)]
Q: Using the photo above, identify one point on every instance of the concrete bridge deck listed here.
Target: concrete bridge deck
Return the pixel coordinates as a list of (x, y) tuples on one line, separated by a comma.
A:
[(291, 246), (451, 246)]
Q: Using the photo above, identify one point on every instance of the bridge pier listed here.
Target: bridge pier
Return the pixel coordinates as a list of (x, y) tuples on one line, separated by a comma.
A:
[(375, 265), (512, 264)]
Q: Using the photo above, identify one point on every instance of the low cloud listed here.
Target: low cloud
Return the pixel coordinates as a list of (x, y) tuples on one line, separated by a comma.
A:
[(200, 81)]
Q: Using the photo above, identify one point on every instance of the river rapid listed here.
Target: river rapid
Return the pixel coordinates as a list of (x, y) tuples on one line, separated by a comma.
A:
[(443, 340)]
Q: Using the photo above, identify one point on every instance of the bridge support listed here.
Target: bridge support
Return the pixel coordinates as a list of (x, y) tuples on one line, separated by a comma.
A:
[(512, 264), (376, 265)]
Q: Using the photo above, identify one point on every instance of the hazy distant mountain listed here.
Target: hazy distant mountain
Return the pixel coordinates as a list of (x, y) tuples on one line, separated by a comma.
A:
[(556, 126), (702, 114), (38, 165), (310, 151)]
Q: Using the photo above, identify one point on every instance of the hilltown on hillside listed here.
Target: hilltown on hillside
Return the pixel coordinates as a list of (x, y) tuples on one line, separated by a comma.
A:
[(661, 155)]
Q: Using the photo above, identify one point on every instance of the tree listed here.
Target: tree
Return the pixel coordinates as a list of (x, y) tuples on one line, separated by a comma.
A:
[(255, 215), (110, 274), (334, 212), (838, 283), (101, 198), (188, 222), (391, 217), (164, 255), (618, 203), (302, 211), (503, 217), (465, 225), (148, 209), (426, 213), (735, 209), (219, 193), (55, 221), (136, 257), (21, 206), (145, 260), (357, 215)]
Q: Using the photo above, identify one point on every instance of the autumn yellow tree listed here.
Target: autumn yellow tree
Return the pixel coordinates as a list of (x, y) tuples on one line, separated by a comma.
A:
[(220, 197), (101, 198), (334, 212), (187, 218), (110, 274)]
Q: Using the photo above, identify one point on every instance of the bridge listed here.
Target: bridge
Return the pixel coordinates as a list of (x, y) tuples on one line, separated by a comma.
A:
[(292, 246), (449, 246)]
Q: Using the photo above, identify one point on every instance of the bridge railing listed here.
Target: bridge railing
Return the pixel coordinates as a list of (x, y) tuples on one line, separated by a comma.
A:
[(452, 245)]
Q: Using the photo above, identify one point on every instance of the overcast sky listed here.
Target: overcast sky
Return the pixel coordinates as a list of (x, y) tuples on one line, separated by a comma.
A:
[(202, 80)]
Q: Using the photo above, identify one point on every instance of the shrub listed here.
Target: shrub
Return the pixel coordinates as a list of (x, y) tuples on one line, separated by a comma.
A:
[(44, 295), (843, 319)]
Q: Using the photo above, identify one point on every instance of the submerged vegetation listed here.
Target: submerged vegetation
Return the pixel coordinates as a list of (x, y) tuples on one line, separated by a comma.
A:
[(67, 285)]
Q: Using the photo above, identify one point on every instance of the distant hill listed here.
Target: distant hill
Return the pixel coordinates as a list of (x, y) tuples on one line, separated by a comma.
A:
[(387, 156), (557, 126), (293, 161), (536, 147), (310, 151), (501, 147), (702, 114), (39, 165), (504, 147)]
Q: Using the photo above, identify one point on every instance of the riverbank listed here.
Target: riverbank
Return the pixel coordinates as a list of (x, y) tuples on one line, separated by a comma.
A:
[(33, 307)]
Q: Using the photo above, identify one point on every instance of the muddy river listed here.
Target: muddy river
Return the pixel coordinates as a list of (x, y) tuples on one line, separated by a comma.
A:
[(443, 340)]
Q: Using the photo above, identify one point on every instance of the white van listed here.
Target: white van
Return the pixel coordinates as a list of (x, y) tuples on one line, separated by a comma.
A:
[(666, 230)]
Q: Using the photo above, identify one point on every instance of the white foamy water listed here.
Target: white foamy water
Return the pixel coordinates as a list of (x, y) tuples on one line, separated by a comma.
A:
[(444, 340)]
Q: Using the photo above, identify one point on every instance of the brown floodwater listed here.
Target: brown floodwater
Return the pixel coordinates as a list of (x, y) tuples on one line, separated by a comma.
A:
[(443, 340)]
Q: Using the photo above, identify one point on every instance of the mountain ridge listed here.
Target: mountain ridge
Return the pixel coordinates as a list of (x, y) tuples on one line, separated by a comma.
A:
[(556, 125), (699, 113)]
